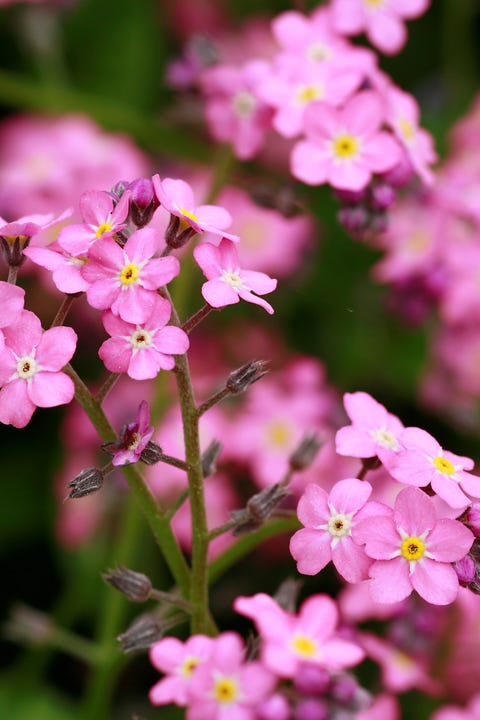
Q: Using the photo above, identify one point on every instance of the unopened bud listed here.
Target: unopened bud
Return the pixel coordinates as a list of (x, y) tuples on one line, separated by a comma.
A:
[(311, 709), (276, 707), (134, 585), (473, 519), (311, 679), (259, 508), (142, 633), (178, 233), (143, 201), (287, 594), (344, 689), (382, 196), (86, 482), (152, 453), (118, 190), (466, 570), (303, 456), (239, 380), (354, 218), (27, 625), (209, 458)]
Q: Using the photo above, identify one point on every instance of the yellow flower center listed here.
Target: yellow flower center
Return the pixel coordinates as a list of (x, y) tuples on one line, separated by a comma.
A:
[(129, 274), (373, 3), (406, 128), (225, 690), (309, 93), (22, 239), (189, 665), (188, 214), (304, 646), (26, 367), (345, 146), (443, 465), (279, 433), (103, 228), (412, 548)]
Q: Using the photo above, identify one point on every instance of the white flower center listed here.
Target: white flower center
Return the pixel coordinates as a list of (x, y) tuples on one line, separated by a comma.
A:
[(232, 278), (317, 51), (339, 525), (141, 339), (244, 104), (27, 367), (385, 438)]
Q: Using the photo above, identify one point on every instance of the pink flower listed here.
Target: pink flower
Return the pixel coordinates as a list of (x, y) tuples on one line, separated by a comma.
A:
[(289, 640), (413, 550), (226, 686), (179, 661), (125, 280), (176, 196), (344, 147), (327, 535), (101, 219), (422, 461), (373, 432), (134, 438), (381, 20), (30, 368), (11, 302), (65, 268), (142, 350), (227, 282)]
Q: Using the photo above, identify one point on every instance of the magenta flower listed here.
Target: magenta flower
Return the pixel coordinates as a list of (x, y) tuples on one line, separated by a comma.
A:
[(327, 535), (179, 661), (142, 350), (373, 432), (413, 550), (101, 219), (381, 20), (227, 282), (65, 268), (125, 280), (177, 198), (288, 640), (422, 461), (30, 366), (345, 147), (226, 686), (133, 439)]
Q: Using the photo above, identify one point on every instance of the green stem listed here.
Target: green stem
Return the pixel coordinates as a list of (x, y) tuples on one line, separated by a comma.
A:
[(248, 543), (159, 525), (107, 386), (63, 310)]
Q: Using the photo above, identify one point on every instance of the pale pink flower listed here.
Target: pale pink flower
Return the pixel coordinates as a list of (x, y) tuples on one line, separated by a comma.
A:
[(313, 38), (422, 461), (65, 268), (142, 350), (125, 280), (176, 196), (345, 147), (179, 661), (30, 366), (403, 116), (381, 20), (289, 640), (227, 281), (101, 219), (30, 225), (225, 686), (373, 432), (234, 111), (327, 535), (413, 550)]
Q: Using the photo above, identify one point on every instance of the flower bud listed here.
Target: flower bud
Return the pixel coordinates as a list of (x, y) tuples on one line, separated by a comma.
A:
[(86, 482), (303, 456), (354, 218), (142, 633), (143, 201), (13, 247), (275, 707), (466, 570), (344, 689), (287, 594), (134, 585), (382, 196), (152, 453), (473, 519), (258, 508), (311, 709), (209, 458), (241, 378), (312, 680)]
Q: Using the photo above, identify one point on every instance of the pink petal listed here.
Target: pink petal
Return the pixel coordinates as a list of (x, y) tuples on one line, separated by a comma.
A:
[(258, 282), (350, 560), (390, 580), (95, 206), (312, 509), (214, 215), (145, 364), (449, 540), (364, 114), (311, 549), (115, 325), (341, 654), (172, 341), (348, 175), (448, 490), (135, 304), (116, 354), (255, 682), (102, 294), (318, 617), (170, 689), (207, 257), (48, 389), (381, 153), (308, 162), (414, 512), (218, 294), (11, 302), (25, 334), (56, 348), (379, 535), (437, 583), (159, 271), (353, 441), (143, 244), (269, 618), (387, 32), (349, 495), (250, 297), (16, 408), (76, 239)]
